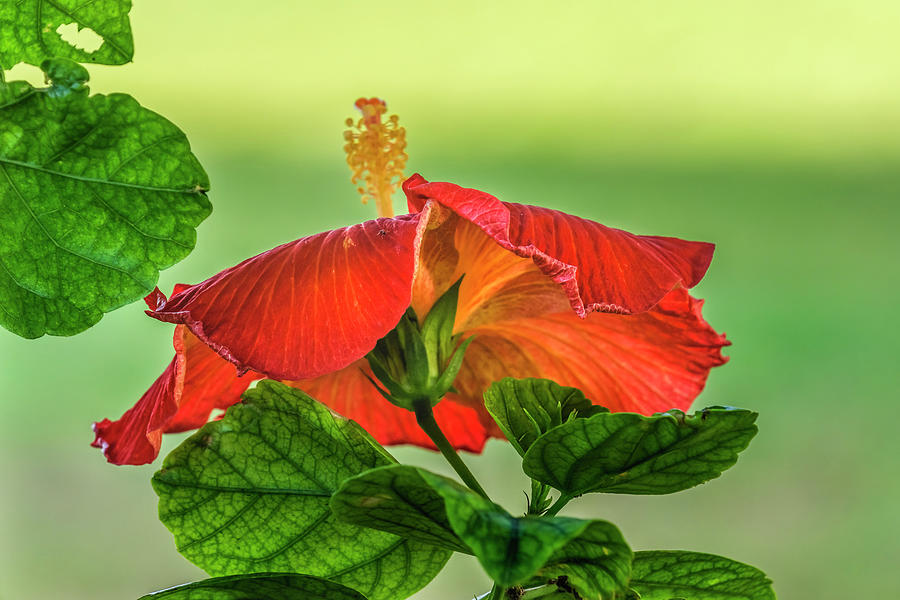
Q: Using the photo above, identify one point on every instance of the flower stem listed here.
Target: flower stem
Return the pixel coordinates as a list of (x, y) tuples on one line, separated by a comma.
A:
[(497, 593), (425, 419)]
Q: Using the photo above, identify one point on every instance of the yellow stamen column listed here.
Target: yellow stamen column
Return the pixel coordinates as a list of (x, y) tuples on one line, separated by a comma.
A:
[(376, 153)]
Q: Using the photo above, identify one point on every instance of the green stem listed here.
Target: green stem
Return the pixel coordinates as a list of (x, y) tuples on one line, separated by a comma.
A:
[(557, 506), (425, 419), (538, 591), (497, 593)]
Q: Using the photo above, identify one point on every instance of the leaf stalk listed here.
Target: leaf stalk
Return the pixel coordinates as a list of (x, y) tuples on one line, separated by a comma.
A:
[(558, 505), (425, 419)]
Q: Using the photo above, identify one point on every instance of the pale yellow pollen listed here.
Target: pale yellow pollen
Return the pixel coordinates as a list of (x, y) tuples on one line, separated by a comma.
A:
[(376, 153)]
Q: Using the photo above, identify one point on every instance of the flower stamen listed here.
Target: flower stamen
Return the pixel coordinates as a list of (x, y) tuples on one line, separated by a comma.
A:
[(376, 153)]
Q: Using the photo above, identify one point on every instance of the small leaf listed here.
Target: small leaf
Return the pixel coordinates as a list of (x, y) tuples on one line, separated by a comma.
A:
[(396, 499), (626, 453), (526, 408), (513, 550), (65, 76), (35, 30), (664, 575), (250, 493), (260, 586), (97, 195)]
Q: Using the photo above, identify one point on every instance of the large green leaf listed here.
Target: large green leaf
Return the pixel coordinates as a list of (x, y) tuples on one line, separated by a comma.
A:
[(31, 31), (626, 453), (667, 575), (260, 586), (250, 493), (526, 408), (97, 194), (513, 550), (395, 498)]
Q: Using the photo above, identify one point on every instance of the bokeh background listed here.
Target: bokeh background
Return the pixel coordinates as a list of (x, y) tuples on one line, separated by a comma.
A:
[(769, 128)]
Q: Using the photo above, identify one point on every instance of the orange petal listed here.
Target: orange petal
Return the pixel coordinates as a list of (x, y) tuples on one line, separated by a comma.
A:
[(598, 267), (645, 363), (496, 283), (499, 285), (196, 381), (208, 382), (308, 307)]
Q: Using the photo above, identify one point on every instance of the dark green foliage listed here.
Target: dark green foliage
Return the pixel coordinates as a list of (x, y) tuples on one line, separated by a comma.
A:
[(250, 493), (595, 564), (526, 408), (396, 498), (417, 504), (511, 550), (29, 30), (626, 453), (261, 586), (667, 575), (97, 194)]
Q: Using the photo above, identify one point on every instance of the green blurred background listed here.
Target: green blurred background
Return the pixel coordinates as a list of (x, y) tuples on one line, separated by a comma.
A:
[(769, 128)]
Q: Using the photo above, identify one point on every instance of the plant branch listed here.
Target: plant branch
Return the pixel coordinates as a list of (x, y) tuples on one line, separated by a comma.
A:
[(425, 419), (557, 506)]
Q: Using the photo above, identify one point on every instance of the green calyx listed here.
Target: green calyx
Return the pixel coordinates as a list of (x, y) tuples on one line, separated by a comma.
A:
[(419, 361)]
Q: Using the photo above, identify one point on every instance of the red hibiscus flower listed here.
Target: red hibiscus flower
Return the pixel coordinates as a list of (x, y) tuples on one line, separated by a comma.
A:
[(544, 293)]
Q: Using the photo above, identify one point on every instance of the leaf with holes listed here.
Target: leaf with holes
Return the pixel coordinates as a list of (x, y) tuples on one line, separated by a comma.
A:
[(662, 575), (526, 408), (97, 195), (250, 493), (592, 555), (396, 499), (260, 586), (627, 453), (97, 31)]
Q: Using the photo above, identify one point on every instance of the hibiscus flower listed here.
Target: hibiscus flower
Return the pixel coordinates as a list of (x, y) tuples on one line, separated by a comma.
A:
[(544, 293)]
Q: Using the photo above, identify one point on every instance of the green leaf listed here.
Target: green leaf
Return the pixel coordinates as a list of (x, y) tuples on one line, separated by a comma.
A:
[(592, 554), (34, 30), (626, 453), (97, 195), (65, 76), (250, 493), (511, 550), (668, 575), (597, 563), (526, 408), (396, 499), (260, 586)]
